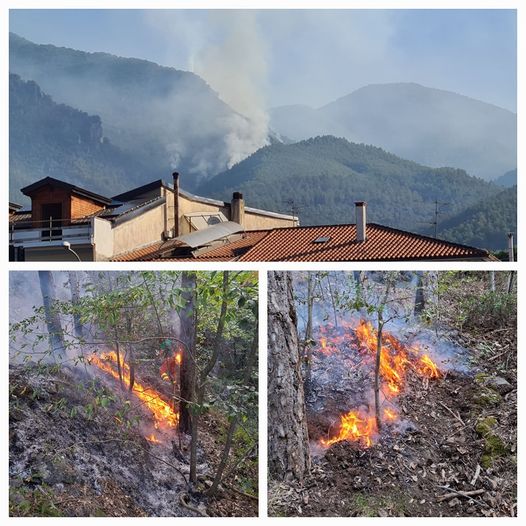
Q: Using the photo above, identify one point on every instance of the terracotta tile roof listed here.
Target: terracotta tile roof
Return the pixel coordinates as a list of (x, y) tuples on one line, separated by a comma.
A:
[(382, 244), (140, 253), (335, 243), (227, 252), (233, 251)]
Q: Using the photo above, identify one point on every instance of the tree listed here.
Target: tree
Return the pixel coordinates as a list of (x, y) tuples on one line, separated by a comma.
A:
[(379, 300), (75, 300), (187, 316), (53, 323), (288, 440)]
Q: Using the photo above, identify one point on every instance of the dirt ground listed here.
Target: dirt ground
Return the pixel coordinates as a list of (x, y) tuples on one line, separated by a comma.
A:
[(457, 458), (70, 456)]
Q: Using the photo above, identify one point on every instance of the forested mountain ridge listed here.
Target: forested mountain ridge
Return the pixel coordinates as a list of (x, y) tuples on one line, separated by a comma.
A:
[(486, 223), (324, 176), (508, 179), (169, 118), (50, 139), (433, 127)]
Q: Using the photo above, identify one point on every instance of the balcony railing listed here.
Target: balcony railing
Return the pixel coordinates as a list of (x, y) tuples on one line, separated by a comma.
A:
[(49, 232)]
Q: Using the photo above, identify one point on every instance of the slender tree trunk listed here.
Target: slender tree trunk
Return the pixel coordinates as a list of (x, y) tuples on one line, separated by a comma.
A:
[(510, 281), (54, 326), (75, 300), (492, 280), (187, 317), (419, 294), (334, 310), (233, 424), (288, 439), (377, 382), (308, 330), (201, 388)]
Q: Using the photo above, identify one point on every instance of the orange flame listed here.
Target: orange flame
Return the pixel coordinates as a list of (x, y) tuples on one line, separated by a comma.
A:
[(153, 439), (426, 367), (395, 358), (390, 415), (162, 412), (355, 426)]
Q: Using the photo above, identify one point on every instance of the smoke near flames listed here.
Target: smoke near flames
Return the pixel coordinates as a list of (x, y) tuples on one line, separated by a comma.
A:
[(228, 51), (340, 358)]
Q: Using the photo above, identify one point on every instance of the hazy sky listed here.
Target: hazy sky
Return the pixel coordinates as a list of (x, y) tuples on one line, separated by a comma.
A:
[(302, 56)]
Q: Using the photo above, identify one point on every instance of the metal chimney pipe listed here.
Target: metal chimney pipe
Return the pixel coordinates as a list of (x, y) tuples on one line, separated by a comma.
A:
[(511, 255), (175, 178), (237, 208), (361, 221)]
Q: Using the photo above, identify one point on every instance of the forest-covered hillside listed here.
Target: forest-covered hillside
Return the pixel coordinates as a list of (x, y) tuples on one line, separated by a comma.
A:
[(167, 117), (430, 126), (487, 223), (324, 176), (55, 140)]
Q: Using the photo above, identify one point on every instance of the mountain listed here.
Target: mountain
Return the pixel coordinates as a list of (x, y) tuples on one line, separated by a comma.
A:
[(485, 224), (324, 176), (50, 139), (508, 179), (168, 118), (431, 126)]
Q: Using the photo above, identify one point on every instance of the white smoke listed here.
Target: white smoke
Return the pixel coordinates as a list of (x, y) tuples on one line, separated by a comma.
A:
[(236, 67), (228, 52)]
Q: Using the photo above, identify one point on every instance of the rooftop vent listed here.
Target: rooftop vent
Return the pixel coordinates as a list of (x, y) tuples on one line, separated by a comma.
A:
[(322, 239)]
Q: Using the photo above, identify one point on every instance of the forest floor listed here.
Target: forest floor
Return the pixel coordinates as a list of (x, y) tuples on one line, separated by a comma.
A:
[(75, 450), (458, 458)]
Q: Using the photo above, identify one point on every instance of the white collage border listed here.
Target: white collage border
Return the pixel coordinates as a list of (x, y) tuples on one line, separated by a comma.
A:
[(5, 5)]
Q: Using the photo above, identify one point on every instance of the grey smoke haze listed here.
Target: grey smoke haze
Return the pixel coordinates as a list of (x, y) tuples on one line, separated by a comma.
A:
[(256, 59), (227, 50)]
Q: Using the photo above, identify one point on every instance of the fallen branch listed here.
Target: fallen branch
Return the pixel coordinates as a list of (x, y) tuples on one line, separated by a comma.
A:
[(466, 494), (476, 475), (230, 487), (182, 501), (456, 415)]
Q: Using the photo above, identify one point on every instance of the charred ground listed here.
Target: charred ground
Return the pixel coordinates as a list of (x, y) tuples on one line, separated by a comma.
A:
[(457, 454), (76, 450)]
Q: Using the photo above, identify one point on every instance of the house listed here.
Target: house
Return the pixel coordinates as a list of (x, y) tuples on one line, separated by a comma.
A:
[(327, 243), (68, 223)]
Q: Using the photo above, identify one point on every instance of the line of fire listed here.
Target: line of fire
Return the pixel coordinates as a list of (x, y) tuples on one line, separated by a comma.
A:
[(133, 393), (392, 393)]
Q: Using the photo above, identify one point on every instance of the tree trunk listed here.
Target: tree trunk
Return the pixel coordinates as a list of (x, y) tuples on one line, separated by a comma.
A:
[(54, 326), (187, 319), (288, 440), (75, 300), (201, 387), (233, 424), (377, 383), (308, 330), (419, 295), (492, 280)]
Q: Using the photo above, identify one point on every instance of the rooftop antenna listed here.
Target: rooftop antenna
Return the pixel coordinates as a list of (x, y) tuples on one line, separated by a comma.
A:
[(436, 214), (294, 209)]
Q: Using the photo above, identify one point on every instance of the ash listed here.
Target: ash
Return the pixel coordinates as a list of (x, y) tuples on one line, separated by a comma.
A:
[(90, 458)]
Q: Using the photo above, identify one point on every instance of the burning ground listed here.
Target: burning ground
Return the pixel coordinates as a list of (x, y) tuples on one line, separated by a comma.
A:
[(79, 447), (95, 422), (447, 442)]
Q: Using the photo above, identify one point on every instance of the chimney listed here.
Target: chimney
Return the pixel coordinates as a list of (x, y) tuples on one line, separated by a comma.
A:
[(175, 178), (511, 255), (237, 208), (361, 221)]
